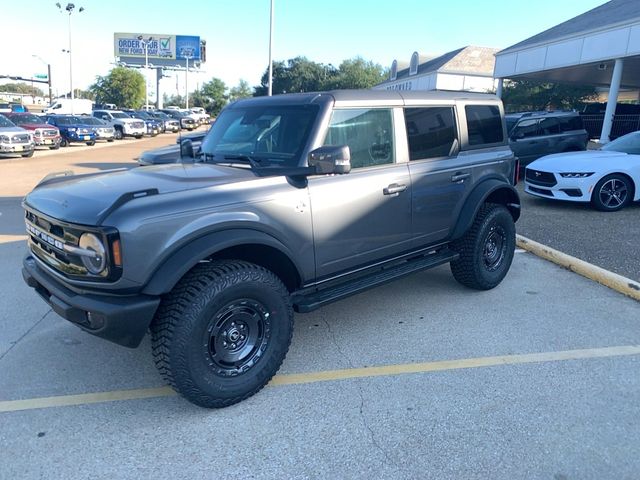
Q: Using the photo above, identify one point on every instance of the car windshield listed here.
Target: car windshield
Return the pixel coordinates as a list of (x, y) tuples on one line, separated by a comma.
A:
[(5, 123), (120, 115), (66, 120), (90, 120), (274, 134), (144, 115), (629, 143), (25, 119), (161, 115)]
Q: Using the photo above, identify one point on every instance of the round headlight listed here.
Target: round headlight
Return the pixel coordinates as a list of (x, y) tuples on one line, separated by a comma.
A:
[(97, 263)]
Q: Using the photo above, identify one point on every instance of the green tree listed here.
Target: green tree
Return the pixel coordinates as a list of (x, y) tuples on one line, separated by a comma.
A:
[(523, 95), (214, 95), (122, 86), (356, 73), (242, 90), (21, 88), (173, 100), (293, 76)]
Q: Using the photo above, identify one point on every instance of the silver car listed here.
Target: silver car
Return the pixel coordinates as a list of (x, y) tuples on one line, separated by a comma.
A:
[(15, 140)]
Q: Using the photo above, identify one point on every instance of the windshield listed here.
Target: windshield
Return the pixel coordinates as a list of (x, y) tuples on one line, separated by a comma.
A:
[(89, 120), (120, 115), (161, 115), (5, 123), (275, 133), (629, 143), (26, 119), (143, 115)]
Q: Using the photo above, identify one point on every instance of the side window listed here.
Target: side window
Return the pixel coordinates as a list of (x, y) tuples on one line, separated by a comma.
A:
[(550, 126), (571, 123), (527, 128), (431, 132), (484, 124), (367, 132)]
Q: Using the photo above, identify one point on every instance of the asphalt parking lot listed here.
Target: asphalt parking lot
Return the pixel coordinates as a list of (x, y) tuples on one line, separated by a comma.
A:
[(421, 378)]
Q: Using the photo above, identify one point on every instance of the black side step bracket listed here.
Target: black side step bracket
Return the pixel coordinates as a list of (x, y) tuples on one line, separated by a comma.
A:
[(308, 300)]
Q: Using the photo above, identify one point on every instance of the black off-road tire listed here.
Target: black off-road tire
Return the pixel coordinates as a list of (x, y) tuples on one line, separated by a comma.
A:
[(213, 306), (29, 154), (612, 193), (486, 249), (117, 133), (64, 142)]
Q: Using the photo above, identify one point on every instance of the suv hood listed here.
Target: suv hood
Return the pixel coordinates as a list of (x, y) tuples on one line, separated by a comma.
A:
[(88, 199), (585, 159), (13, 130)]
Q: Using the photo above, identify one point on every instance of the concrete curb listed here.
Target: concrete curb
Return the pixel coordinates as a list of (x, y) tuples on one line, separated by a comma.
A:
[(616, 282)]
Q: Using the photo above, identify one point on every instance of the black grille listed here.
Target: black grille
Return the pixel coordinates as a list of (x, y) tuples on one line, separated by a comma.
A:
[(541, 191), (537, 177)]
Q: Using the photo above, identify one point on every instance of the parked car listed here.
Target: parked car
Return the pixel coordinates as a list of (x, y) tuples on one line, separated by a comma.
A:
[(73, 129), (124, 125), (170, 123), (171, 153), (15, 140), (154, 126), (44, 134), (186, 121), (609, 178), (103, 130), (295, 201), (67, 106), (535, 134), (201, 115)]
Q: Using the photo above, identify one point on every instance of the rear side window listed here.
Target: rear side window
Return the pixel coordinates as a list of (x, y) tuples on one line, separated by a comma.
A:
[(570, 123), (484, 124), (550, 126), (431, 132)]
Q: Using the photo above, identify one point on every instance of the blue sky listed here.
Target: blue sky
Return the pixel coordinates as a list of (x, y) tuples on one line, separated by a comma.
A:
[(237, 32)]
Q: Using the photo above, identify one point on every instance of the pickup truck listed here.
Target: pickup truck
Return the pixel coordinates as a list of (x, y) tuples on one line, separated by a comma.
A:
[(291, 203)]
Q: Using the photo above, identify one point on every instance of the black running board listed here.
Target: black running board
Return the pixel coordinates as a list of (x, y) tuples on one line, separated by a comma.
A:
[(311, 299)]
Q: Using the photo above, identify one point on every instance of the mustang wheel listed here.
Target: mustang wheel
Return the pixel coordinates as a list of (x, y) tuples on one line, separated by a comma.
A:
[(612, 193), (223, 332), (486, 249)]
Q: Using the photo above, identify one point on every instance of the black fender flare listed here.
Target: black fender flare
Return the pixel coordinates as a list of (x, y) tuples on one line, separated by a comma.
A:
[(187, 256), (491, 189)]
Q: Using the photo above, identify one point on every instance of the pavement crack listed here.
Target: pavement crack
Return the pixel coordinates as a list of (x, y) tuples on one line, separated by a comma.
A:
[(25, 334), (363, 417)]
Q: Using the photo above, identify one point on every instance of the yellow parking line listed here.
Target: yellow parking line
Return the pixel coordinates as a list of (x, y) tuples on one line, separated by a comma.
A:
[(331, 375), (12, 238)]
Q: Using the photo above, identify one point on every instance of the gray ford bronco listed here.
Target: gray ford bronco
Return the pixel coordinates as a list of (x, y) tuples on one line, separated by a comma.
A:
[(291, 202)]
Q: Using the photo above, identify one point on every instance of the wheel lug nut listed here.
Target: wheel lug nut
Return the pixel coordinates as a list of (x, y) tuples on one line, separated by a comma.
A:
[(241, 337), (224, 344), (233, 345)]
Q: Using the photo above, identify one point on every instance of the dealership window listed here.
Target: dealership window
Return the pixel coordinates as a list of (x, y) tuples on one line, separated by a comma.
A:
[(431, 132), (367, 132), (484, 124)]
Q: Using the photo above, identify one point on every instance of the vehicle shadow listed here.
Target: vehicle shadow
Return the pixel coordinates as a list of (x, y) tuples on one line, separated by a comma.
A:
[(11, 216)]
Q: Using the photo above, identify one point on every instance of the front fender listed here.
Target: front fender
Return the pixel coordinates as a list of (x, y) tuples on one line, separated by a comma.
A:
[(184, 258)]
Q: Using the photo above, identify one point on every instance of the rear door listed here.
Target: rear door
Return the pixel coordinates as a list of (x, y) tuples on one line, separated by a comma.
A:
[(440, 176), (526, 140), (365, 215)]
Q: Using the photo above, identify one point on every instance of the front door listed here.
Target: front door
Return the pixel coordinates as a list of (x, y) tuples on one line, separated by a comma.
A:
[(363, 216)]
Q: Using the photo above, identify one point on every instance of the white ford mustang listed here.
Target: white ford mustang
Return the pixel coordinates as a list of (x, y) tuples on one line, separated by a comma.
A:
[(609, 178)]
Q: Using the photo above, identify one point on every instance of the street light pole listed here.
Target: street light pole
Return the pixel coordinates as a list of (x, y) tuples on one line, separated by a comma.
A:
[(145, 44), (186, 81), (270, 80), (69, 8)]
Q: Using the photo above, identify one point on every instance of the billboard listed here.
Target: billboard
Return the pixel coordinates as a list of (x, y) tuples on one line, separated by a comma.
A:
[(162, 49)]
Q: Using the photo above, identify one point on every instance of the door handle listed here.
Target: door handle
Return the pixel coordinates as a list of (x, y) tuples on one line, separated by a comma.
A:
[(393, 189), (459, 177)]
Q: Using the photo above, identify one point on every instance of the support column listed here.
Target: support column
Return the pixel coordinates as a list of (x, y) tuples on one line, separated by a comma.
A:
[(159, 100), (616, 77), (499, 89)]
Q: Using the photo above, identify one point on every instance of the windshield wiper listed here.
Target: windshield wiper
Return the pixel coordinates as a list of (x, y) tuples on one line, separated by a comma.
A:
[(254, 162)]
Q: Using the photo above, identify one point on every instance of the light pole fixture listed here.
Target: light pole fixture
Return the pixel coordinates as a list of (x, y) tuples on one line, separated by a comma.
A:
[(48, 75), (145, 44), (186, 80), (70, 7), (270, 79)]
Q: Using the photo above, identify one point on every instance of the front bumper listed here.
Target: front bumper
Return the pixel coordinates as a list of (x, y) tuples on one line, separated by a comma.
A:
[(567, 189), (80, 137), (16, 147), (122, 319), (46, 141)]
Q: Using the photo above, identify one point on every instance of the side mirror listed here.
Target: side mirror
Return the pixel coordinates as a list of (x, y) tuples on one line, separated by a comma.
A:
[(331, 159), (186, 149)]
